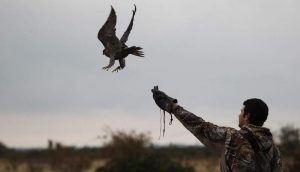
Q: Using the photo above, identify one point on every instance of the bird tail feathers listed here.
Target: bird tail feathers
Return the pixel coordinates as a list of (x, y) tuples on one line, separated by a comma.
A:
[(136, 51)]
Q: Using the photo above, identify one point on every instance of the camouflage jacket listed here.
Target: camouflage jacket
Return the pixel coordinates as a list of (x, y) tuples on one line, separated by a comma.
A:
[(238, 153)]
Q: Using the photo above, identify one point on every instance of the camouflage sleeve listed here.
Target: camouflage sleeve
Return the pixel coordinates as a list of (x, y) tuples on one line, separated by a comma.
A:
[(276, 162), (208, 133)]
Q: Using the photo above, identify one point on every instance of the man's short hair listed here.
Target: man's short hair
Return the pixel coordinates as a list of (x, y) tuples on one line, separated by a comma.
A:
[(258, 111)]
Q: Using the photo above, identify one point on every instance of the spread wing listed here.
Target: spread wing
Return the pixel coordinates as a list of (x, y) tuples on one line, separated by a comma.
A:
[(107, 33), (124, 38)]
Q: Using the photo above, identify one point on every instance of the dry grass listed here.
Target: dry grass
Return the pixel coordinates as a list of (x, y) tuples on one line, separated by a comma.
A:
[(200, 165), (205, 164)]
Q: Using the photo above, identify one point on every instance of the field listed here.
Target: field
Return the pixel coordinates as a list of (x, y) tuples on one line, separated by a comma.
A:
[(133, 153)]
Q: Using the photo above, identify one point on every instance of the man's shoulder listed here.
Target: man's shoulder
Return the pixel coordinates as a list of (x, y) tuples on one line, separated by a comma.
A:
[(231, 133)]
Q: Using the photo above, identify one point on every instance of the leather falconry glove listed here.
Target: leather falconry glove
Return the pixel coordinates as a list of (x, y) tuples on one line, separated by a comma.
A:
[(163, 101)]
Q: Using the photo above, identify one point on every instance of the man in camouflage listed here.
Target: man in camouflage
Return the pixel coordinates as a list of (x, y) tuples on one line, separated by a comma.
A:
[(250, 149)]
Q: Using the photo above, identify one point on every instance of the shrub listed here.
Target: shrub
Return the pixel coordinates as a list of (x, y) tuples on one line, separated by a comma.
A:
[(133, 153)]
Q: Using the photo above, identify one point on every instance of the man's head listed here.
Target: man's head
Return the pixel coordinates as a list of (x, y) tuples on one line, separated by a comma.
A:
[(255, 112)]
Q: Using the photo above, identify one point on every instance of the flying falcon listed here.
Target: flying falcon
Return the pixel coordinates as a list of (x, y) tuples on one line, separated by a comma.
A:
[(115, 48)]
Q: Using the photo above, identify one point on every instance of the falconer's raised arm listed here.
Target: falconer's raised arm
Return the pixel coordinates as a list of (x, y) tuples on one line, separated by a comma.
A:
[(208, 133)]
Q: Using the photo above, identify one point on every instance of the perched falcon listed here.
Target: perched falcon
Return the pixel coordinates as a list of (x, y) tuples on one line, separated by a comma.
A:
[(115, 48)]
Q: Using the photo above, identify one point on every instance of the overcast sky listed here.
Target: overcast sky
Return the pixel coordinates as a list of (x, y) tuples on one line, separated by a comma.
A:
[(209, 54)]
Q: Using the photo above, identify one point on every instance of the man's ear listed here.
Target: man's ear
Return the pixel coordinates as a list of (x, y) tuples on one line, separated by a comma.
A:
[(247, 116)]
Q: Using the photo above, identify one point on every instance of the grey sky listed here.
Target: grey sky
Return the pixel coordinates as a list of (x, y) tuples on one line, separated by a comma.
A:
[(211, 55)]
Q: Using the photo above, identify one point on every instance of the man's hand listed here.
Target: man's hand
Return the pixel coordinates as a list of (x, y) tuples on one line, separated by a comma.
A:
[(163, 101)]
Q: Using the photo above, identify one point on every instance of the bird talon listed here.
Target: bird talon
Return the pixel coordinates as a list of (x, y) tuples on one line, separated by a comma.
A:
[(117, 69), (106, 68)]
